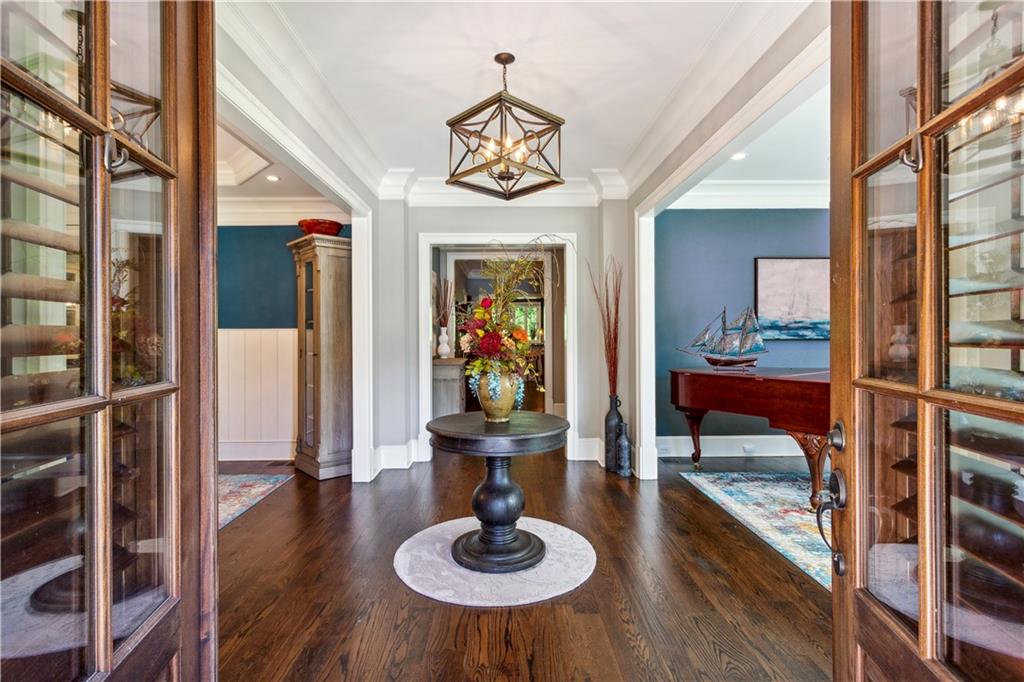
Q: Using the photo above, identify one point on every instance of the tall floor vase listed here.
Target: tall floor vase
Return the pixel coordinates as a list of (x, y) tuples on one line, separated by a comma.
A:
[(612, 426)]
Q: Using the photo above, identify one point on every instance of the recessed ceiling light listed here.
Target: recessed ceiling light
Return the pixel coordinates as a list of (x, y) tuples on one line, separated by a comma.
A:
[(738, 156), (272, 178)]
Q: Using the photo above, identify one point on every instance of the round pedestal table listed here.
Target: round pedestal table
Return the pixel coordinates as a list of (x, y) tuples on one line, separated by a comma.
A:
[(498, 502)]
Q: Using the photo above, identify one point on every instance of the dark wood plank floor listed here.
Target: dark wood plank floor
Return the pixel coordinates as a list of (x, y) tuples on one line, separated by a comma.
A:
[(681, 590)]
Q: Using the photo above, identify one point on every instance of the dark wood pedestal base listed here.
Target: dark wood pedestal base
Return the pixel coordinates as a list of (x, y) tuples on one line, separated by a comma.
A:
[(498, 547)]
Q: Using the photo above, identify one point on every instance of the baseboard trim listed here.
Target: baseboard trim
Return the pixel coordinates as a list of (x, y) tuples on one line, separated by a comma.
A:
[(589, 450), (397, 456), (730, 446), (255, 450)]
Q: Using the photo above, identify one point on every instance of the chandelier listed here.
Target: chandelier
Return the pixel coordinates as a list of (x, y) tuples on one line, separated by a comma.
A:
[(503, 146)]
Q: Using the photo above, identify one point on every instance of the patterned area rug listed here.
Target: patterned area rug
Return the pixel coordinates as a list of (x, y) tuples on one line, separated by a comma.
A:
[(774, 506), (237, 493)]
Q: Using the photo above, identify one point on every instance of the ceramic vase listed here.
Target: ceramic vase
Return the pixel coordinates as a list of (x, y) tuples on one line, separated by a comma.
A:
[(612, 426), (623, 453), (899, 343), (443, 349), (497, 398)]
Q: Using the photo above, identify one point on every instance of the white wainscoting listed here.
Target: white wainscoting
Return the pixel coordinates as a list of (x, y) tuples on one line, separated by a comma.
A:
[(730, 446), (256, 374)]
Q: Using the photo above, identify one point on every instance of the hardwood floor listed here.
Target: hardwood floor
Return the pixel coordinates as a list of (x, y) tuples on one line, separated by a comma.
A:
[(681, 591)]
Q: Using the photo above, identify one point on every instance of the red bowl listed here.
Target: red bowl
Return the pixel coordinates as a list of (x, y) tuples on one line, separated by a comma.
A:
[(320, 226)]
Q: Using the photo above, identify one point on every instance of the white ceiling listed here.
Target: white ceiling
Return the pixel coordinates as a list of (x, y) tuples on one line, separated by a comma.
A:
[(786, 162), (795, 148), (246, 197), (399, 70)]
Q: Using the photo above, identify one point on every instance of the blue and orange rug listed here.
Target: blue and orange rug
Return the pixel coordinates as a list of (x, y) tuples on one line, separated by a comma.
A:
[(774, 506), (237, 493)]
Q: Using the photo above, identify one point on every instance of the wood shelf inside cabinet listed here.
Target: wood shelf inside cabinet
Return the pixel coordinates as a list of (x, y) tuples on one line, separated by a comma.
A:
[(39, 235), (1004, 229), (907, 508), (906, 466), (909, 297), (999, 179), (907, 423), (1005, 572), (68, 195)]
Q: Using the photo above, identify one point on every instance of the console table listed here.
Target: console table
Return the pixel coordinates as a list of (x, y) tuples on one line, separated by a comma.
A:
[(498, 502), (796, 400)]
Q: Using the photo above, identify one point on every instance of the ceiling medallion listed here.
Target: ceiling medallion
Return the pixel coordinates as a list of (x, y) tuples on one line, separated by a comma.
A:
[(503, 146)]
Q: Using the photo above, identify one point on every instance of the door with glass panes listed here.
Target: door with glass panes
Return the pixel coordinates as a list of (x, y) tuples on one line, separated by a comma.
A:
[(99, 213), (927, 369)]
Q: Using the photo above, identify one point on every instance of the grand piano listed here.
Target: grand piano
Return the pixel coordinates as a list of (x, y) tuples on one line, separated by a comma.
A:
[(795, 400)]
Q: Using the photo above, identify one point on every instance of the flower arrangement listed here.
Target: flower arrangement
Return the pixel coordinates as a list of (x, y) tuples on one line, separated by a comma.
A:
[(490, 337)]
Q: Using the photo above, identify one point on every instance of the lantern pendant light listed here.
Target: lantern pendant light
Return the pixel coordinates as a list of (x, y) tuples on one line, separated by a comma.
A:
[(503, 146)]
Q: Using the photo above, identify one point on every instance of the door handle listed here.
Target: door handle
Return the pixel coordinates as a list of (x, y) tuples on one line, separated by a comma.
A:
[(833, 499)]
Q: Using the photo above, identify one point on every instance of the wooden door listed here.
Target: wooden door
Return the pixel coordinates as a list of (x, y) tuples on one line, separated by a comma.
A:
[(928, 380), (106, 305)]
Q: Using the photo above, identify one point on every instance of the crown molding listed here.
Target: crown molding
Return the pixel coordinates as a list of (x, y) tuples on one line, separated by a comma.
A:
[(395, 184), (724, 194), (266, 37), (576, 192), (609, 183), (704, 86), (275, 211)]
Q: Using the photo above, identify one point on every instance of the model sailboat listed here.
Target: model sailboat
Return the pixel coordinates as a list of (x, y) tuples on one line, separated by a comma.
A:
[(736, 344)]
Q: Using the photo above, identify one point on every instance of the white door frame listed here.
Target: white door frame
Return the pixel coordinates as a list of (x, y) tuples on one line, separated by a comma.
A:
[(644, 372), (247, 112), (452, 256), (424, 335)]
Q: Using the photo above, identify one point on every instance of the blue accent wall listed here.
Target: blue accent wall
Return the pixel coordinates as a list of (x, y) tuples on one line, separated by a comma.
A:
[(704, 259), (256, 277)]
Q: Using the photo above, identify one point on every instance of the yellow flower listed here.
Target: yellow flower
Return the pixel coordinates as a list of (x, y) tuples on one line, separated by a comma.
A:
[(480, 333)]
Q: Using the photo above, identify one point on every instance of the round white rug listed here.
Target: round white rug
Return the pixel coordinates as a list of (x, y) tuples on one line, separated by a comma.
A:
[(424, 563)]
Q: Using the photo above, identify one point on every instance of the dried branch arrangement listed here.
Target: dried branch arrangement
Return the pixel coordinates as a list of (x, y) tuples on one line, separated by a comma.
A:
[(443, 302), (608, 296)]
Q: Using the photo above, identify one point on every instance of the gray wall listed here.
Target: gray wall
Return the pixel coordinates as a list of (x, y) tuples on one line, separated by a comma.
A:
[(705, 260)]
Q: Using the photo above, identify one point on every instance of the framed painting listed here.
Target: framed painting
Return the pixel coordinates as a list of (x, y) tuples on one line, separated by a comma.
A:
[(791, 298)]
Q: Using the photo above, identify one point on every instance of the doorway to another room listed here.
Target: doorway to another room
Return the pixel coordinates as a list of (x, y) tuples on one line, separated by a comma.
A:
[(742, 334), (539, 311)]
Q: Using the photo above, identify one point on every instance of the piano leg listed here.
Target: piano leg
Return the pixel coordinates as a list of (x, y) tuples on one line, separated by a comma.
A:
[(693, 419), (812, 444)]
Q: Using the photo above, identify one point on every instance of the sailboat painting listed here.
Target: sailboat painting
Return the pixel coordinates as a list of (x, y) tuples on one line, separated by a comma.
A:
[(791, 297), (729, 344)]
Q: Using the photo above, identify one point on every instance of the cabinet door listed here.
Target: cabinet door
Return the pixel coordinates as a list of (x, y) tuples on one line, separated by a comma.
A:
[(928, 115), (96, 488)]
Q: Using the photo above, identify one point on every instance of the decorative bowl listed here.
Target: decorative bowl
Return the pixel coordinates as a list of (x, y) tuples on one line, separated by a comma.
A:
[(320, 226)]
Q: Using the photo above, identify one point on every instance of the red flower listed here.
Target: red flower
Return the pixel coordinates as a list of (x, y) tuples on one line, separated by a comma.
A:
[(486, 303), (490, 343)]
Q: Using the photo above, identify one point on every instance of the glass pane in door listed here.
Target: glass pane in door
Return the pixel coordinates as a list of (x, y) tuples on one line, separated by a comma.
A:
[(136, 72), (309, 360), (980, 40), (137, 274), (983, 608), (890, 283), (43, 192), (890, 78), (48, 39), (138, 513), (890, 446), (46, 609), (982, 224)]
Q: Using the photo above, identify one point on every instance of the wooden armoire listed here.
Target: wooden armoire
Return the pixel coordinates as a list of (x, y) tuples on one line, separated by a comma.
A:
[(323, 276)]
